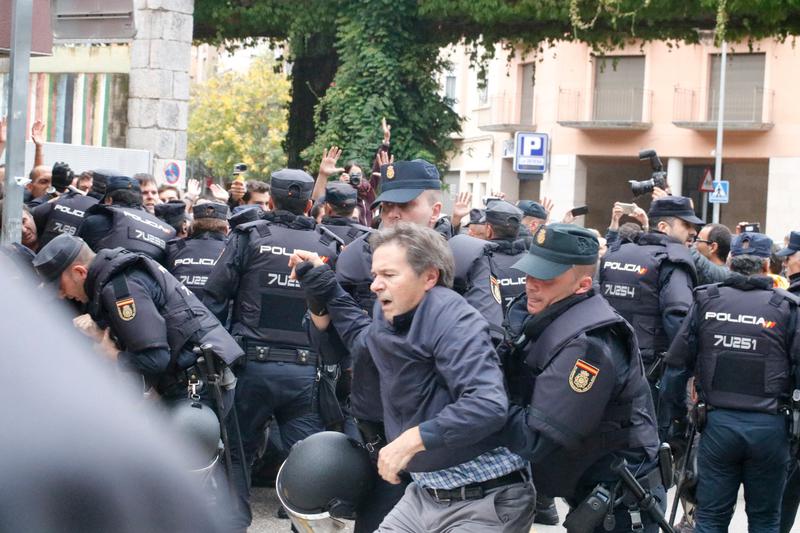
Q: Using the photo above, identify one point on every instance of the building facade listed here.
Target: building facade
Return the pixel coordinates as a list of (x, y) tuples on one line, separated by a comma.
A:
[(600, 111)]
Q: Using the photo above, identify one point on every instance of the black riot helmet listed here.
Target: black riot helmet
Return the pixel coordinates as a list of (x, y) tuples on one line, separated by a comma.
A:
[(198, 424), (325, 474)]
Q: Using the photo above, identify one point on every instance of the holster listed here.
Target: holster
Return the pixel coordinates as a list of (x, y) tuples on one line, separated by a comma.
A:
[(330, 411), (699, 416), (589, 513)]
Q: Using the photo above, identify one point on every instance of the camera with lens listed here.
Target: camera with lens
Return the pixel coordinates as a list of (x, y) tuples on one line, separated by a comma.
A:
[(355, 179), (239, 168), (62, 176), (657, 179)]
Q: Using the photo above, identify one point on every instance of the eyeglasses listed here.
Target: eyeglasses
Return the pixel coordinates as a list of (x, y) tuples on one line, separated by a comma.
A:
[(701, 240)]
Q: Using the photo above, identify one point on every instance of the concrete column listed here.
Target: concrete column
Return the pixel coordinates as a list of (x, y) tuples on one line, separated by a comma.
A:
[(158, 101), (783, 187), (675, 175), (565, 184)]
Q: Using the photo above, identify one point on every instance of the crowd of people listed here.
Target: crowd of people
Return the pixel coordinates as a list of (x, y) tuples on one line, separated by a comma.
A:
[(485, 361)]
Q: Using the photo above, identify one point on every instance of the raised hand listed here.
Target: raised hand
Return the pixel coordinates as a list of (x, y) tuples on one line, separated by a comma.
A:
[(37, 133), (461, 206), (387, 131), (327, 167)]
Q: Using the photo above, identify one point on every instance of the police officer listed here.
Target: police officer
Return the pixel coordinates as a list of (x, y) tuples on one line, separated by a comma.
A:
[(119, 221), (589, 403), (791, 494), (534, 215), (650, 282), (411, 192), (174, 214), (476, 225), (242, 214), (140, 315), (66, 213), (280, 375), (340, 200), (738, 342), (191, 260), (503, 221)]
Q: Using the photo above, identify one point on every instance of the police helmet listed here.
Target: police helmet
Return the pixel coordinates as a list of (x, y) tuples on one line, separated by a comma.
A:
[(325, 474), (197, 423)]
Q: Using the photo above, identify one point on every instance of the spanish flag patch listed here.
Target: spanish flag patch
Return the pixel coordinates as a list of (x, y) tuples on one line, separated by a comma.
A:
[(126, 309), (582, 376)]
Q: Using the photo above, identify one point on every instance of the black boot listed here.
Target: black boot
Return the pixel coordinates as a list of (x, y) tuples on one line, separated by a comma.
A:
[(546, 512)]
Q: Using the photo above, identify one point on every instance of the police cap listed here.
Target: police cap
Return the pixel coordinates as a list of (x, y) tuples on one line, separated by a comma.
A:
[(476, 216), (56, 256), (211, 210), (172, 212), (402, 181), (243, 214), (756, 244), (120, 183), (532, 209), (340, 194), (502, 213), (556, 248), (674, 206), (793, 246), (291, 183)]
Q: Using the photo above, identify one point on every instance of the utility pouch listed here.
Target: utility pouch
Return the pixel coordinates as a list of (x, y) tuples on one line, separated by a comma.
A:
[(590, 512), (700, 415), (665, 465), (330, 411)]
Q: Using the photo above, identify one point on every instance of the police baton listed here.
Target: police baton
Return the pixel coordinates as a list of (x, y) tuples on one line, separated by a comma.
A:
[(682, 474), (645, 500), (205, 353)]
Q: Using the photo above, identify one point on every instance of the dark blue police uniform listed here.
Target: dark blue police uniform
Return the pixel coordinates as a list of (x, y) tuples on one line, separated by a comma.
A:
[(282, 371), (650, 284), (791, 495), (738, 342), (342, 197), (505, 220), (125, 226), (589, 404), (191, 260)]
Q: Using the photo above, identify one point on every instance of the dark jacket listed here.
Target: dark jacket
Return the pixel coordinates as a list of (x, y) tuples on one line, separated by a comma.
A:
[(590, 401), (473, 280), (438, 370), (155, 319)]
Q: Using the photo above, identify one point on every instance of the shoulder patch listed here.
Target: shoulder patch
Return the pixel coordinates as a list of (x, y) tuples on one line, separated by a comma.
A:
[(582, 376), (126, 308), (496, 289)]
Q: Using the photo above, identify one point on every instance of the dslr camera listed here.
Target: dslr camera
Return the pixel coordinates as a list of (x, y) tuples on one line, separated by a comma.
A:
[(355, 179), (239, 168), (657, 179)]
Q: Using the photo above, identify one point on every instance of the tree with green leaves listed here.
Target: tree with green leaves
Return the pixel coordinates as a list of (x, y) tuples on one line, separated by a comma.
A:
[(358, 60), (240, 118)]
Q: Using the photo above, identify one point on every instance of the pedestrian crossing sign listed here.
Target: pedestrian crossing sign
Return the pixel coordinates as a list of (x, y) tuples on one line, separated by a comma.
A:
[(720, 194)]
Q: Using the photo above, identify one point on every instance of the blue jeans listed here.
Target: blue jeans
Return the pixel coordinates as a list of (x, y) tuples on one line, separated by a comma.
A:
[(741, 447), (265, 390)]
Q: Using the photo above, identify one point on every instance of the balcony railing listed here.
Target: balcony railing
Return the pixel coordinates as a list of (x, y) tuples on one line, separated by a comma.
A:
[(505, 113), (745, 110), (610, 109)]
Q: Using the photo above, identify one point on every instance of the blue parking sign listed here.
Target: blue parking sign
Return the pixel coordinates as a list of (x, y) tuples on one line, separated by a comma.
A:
[(531, 152)]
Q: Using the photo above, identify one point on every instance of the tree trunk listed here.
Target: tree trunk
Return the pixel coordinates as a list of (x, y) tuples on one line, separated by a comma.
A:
[(314, 65)]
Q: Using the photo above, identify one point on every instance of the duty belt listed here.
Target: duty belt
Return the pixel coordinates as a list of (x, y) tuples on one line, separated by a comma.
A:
[(262, 353), (475, 491)]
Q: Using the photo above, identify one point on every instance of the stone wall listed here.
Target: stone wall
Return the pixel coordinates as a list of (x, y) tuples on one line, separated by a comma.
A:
[(158, 104)]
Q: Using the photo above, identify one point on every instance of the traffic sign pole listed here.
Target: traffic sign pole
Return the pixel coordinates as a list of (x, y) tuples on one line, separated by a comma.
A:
[(720, 124), (21, 23)]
